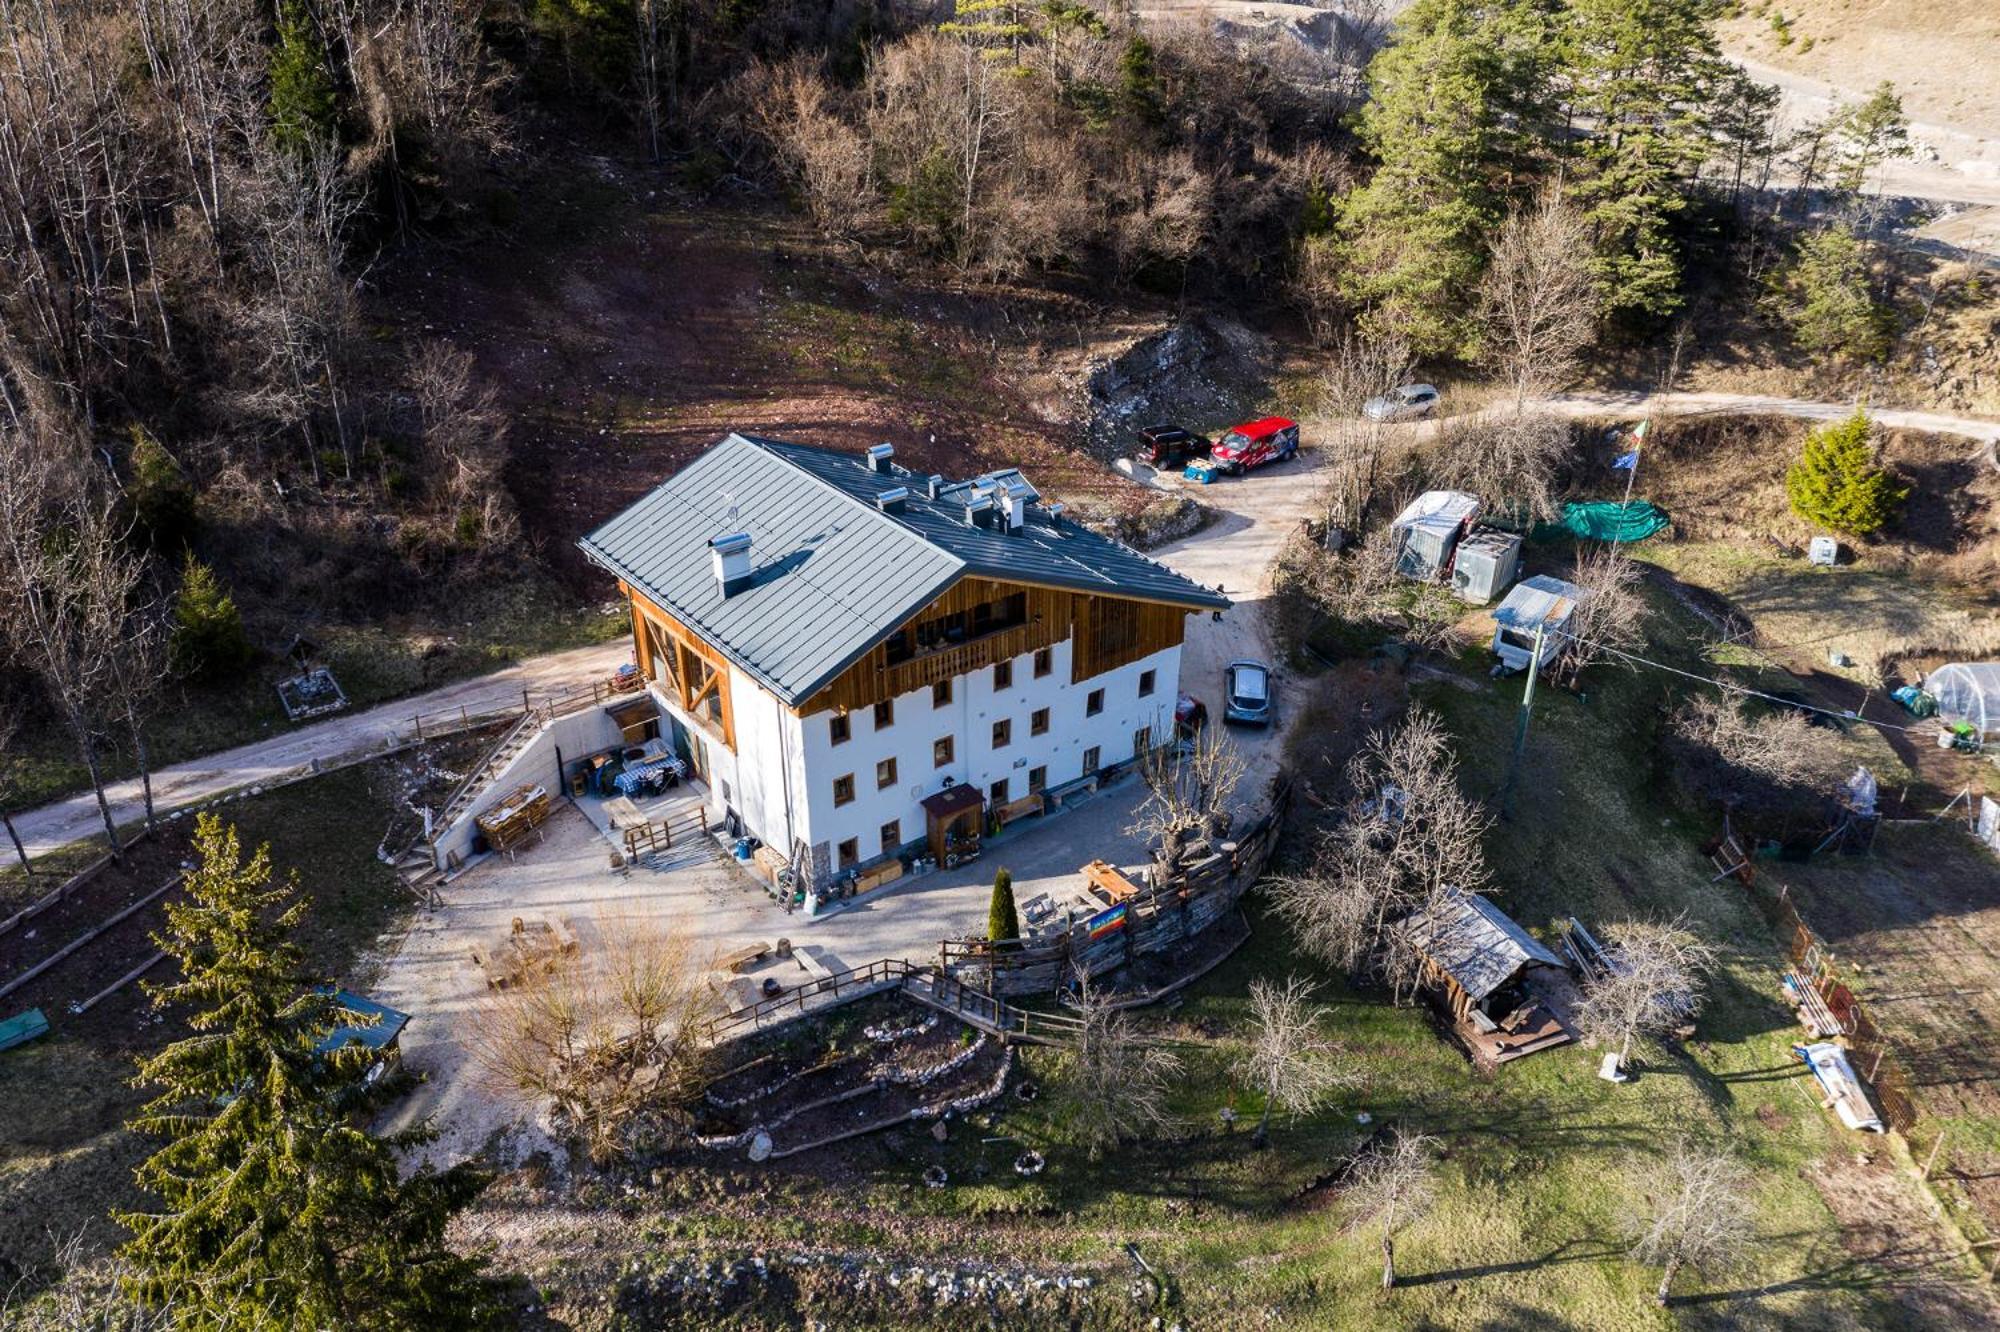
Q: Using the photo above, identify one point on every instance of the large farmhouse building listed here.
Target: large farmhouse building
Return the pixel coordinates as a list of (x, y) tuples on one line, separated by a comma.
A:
[(861, 661)]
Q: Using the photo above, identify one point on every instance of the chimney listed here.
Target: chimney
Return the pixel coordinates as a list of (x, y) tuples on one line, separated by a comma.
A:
[(1055, 510), (979, 511), (933, 486), (1014, 509), (731, 556), (891, 500), (878, 458)]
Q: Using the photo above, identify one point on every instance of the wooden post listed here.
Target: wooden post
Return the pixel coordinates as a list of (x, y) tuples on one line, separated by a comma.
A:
[(418, 721), (1931, 1160)]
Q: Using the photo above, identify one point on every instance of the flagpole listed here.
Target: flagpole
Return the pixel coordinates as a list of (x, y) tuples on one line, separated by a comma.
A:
[(1631, 475)]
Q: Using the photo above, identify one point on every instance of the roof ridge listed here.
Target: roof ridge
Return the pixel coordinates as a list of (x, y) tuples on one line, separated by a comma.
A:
[(874, 511)]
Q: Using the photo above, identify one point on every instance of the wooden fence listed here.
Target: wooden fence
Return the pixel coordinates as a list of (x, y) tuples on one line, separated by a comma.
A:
[(1871, 1052), (1152, 922)]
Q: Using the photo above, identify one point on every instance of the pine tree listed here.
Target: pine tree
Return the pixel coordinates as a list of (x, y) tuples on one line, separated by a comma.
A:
[(1001, 920), (208, 640), (302, 97), (274, 1209), (162, 498), (1449, 101), (1646, 77), (1836, 483), (1827, 302)]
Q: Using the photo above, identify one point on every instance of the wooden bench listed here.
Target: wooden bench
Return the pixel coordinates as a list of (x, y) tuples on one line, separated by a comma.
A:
[(733, 963), (1030, 803), (887, 872), (498, 976)]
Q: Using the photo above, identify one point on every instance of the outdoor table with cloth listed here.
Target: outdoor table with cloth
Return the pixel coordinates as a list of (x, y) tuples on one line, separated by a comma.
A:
[(649, 775)]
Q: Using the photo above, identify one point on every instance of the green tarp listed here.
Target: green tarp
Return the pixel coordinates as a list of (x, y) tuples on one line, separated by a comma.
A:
[(22, 1027), (1608, 520)]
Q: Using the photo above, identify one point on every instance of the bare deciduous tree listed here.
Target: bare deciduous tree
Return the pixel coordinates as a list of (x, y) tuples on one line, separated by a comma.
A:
[(1188, 789), (1654, 985), (1393, 1184), (1406, 834), (1752, 760), (66, 584), (1610, 616), (1114, 1083), (463, 435), (1699, 1215), (615, 1041), (10, 726), (829, 161), (1514, 460), (1537, 307), (1364, 586), (1291, 1062)]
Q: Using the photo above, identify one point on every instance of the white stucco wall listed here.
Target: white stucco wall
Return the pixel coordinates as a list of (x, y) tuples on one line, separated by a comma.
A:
[(574, 735), (969, 719)]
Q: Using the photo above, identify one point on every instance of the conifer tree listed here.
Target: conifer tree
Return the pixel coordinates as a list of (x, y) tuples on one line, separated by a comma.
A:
[(1827, 301), (302, 97), (274, 1208), (1001, 920), (1836, 483), (208, 638), (1449, 103), (162, 498)]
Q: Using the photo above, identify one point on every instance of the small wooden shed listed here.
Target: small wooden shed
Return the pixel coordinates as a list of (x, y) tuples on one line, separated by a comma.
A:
[(954, 818), (1474, 953)]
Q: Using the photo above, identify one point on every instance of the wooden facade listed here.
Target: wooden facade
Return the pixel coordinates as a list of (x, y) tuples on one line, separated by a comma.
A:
[(1108, 631), (695, 674)]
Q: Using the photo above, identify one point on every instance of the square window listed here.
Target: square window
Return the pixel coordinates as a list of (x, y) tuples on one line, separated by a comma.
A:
[(941, 752), (998, 791), (1003, 732), (885, 714), (1045, 661), (1146, 681), (843, 789), (1038, 779), (1038, 722), (892, 836), (1094, 704), (850, 853), (1003, 676), (839, 727), (940, 693), (1090, 760), (885, 774)]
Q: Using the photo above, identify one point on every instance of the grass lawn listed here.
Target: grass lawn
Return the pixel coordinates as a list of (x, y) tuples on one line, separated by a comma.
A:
[(374, 664)]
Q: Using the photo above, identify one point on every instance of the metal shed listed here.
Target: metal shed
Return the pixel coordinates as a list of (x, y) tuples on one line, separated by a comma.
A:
[(1540, 602), (1428, 529), (1968, 692)]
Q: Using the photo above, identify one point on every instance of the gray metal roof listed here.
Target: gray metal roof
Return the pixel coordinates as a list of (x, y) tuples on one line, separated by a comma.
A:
[(1474, 942), (1540, 600), (834, 574)]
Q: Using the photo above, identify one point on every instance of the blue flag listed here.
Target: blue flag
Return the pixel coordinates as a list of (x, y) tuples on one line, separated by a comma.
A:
[(1625, 462)]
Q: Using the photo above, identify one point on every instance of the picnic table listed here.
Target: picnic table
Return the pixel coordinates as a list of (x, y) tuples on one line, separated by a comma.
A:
[(1106, 879), (649, 775)]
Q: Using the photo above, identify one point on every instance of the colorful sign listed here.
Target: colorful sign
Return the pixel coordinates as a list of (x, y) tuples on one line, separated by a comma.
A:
[(1105, 922)]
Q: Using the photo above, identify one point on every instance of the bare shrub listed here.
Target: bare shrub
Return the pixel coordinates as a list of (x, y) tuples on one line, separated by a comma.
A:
[(1700, 1215), (1294, 1066), (1770, 762), (462, 433), (1512, 460), (1114, 1084), (1392, 1185), (821, 152), (1610, 615), (1537, 304), (1406, 834), (84, 1294), (1362, 586), (1654, 987), (614, 1042)]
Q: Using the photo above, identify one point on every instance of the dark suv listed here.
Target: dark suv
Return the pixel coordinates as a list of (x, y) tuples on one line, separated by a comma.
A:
[(1170, 446)]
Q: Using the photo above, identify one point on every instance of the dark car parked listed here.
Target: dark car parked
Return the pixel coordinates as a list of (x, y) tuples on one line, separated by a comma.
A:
[(1170, 446)]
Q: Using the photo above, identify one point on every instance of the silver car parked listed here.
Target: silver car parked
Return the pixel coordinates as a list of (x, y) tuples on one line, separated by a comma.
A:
[(1246, 693), (1407, 403)]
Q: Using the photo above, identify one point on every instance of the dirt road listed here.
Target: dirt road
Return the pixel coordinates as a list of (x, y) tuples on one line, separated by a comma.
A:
[(1755, 404), (75, 818)]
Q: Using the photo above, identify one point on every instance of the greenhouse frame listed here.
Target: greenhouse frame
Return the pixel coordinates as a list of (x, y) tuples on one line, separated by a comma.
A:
[(1968, 692)]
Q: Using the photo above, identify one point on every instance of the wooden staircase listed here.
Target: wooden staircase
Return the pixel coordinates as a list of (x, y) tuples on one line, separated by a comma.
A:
[(518, 737)]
